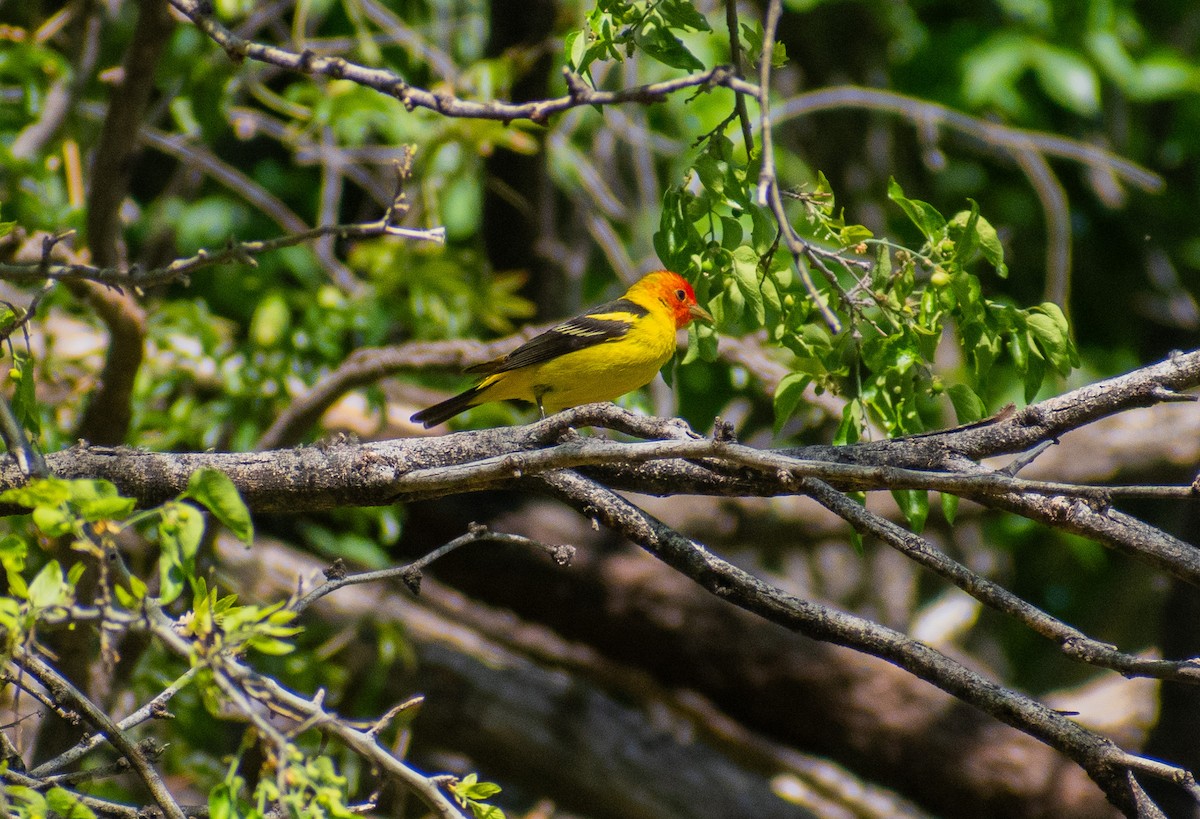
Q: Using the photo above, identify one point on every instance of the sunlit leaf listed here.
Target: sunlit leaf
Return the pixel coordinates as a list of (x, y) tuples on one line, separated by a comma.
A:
[(215, 491)]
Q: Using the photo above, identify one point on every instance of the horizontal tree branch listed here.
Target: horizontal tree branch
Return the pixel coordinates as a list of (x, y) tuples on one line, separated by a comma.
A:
[(341, 473)]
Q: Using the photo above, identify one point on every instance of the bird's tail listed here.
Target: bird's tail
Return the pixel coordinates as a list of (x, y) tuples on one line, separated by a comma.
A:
[(439, 413)]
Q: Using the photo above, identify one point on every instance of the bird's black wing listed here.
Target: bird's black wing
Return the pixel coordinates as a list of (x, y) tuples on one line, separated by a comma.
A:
[(607, 322)]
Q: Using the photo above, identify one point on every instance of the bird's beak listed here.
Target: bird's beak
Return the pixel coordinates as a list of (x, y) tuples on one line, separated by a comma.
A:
[(698, 312)]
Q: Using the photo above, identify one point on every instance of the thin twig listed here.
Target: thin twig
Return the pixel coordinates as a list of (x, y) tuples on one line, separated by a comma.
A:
[(788, 470), (411, 573), (154, 709), (735, 57), (182, 268), (1073, 642), (580, 93), (768, 185)]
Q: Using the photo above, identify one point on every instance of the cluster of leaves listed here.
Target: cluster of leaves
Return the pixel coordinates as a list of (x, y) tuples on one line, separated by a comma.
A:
[(895, 302), (321, 791), (88, 515), (616, 29), (471, 793)]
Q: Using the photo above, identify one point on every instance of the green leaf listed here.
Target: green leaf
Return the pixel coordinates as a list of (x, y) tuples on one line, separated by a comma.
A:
[(683, 14), (35, 801), (180, 530), (52, 521), (710, 167), (82, 490), (968, 406), (223, 801), (271, 646), (922, 214), (949, 506), (850, 429), (787, 397), (271, 320), (962, 229), (851, 235), (131, 598), (24, 398), (731, 233), (471, 788), (469, 791), (106, 508), (1035, 373), (991, 70), (48, 588), (1164, 76), (745, 273), (753, 37), (13, 551), (1067, 78), (704, 339), (990, 246), (1049, 327), (214, 490), (914, 504), (67, 804), (10, 621), (676, 239), (574, 46), (657, 41)]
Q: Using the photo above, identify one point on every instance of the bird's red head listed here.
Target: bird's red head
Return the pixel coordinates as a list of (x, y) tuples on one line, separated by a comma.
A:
[(675, 292)]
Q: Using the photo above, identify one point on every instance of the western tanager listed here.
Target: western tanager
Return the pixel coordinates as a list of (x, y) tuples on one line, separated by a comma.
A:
[(600, 355)]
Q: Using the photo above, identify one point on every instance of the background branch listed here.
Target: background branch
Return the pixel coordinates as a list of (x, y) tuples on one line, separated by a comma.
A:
[(1097, 755)]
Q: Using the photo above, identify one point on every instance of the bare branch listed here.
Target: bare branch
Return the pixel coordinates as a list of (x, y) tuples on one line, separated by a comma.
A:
[(1004, 137), (1072, 641), (237, 681), (180, 269), (154, 709), (112, 163), (64, 690), (109, 409), (347, 474), (735, 56), (410, 573), (768, 185), (1103, 760), (1057, 215), (447, 104)]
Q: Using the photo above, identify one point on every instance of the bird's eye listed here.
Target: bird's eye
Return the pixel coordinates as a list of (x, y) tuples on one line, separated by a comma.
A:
[(679, 294)]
